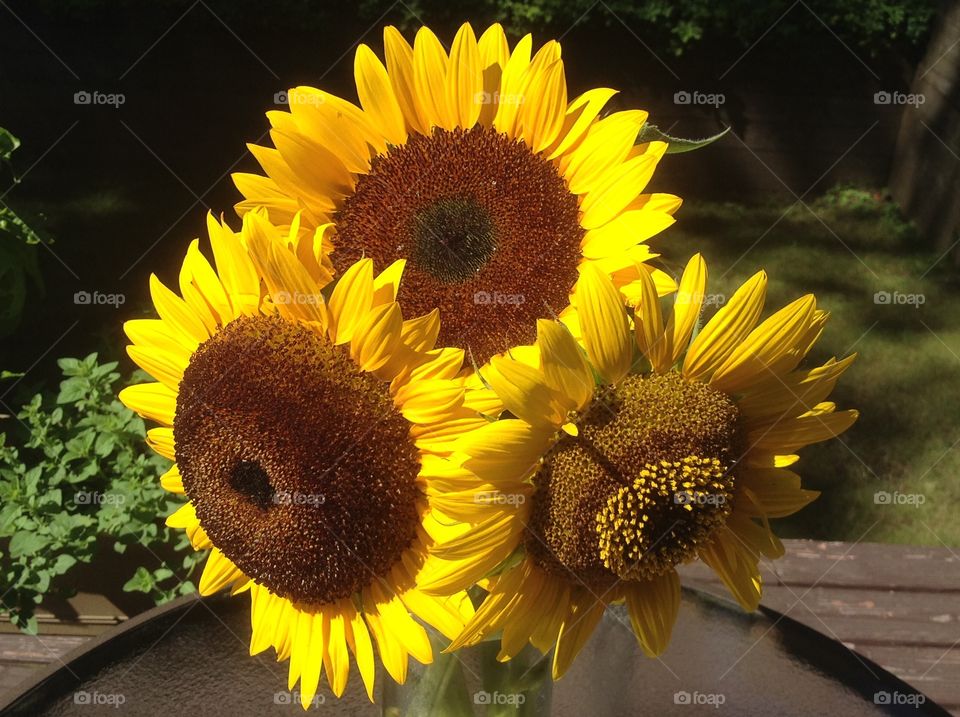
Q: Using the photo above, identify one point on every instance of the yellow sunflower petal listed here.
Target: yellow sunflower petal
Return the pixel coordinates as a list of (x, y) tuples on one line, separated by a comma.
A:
[(430, 68), (441, 613), (612, 193), (234, 268), (540, 121), (625, 230), (397, 620), (511, 86), (151, 400), (157, 334), (772, 492), (606, 145), (358, 639), (797, 392), (311, 640), (172, 481), (524, 392), (176, 312), (505, 450), (387, 283), (525, 616), (465, 78), (750, 361), (686, 307), (164, 366), (494, 53), (603, 320), (819, 424), (653, 606), (736, 566), (399, 57), (376, 337), (576, 629), (648, 318), (338, 659), (203, 291), (377, 96), (580, 114), (219, 572), (161, 440), (726, 330), (565, 369), (351, 300)]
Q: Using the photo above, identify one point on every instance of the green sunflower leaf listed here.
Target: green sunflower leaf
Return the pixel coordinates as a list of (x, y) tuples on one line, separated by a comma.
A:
[(8, 143), (675, 145)]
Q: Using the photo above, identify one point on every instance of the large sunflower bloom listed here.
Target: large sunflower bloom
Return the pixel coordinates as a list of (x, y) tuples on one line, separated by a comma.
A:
[(646, 450), (476, 167), (304, 427)]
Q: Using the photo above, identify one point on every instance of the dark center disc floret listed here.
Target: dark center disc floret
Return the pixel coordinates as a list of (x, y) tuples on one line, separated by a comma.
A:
[(299, 465), (452, 239), (649, 478), (489, 229)]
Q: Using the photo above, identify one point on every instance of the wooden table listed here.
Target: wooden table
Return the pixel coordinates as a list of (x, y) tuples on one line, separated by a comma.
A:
[(897, 605)]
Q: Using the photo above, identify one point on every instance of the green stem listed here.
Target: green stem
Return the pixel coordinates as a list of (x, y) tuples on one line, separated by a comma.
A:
[(439, 706), (515, 687)]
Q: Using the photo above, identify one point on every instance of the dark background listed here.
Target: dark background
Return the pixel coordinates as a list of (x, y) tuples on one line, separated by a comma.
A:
[(122, 190)]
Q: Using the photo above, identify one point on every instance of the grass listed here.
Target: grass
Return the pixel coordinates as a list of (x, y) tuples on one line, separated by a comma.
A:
[(844, 248)]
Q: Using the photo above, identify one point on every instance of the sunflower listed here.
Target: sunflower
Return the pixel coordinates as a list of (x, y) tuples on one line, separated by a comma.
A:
[(305, 424), (475, 167), (639, 451)]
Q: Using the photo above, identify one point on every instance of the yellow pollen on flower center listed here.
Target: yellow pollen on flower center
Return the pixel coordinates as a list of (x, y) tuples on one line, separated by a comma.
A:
[(657, 522), (649, 476)]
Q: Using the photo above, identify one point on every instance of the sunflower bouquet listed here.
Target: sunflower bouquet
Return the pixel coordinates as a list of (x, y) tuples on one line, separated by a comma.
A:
[(433, 383)]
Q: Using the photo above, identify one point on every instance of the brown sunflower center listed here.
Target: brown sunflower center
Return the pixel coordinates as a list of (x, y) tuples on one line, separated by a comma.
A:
[(300, 467), (645, 482), (490, 231)]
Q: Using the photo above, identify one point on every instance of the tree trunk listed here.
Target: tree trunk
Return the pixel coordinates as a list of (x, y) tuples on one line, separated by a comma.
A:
[(925, 175)]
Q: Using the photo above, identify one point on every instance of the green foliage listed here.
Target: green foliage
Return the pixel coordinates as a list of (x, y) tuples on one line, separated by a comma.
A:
[(18, 252), (666, 26), (674, 27), (81, 476), (848, 209)]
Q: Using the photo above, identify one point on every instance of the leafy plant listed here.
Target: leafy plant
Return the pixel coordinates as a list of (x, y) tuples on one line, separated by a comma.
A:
[(18, 251), (80, 476), (873, 25)]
